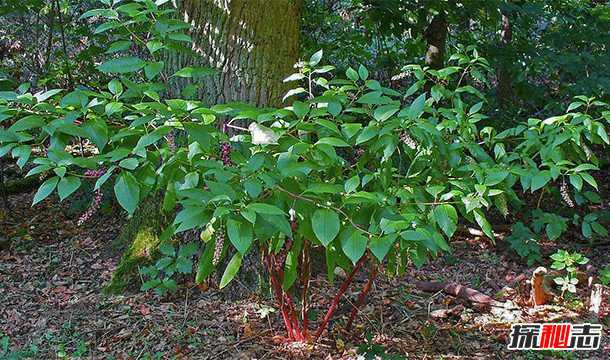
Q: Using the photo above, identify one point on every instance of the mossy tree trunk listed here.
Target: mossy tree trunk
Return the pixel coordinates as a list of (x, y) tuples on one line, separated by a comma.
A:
[(253, 44)]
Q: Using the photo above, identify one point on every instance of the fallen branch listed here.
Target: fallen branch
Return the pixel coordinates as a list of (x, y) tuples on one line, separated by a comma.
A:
[(455, 289)]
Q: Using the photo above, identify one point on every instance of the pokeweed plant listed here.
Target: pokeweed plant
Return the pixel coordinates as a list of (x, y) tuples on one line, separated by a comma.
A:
[(369, 174), (568, 262)]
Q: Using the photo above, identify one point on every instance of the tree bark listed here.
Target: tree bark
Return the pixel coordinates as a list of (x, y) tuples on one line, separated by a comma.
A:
[(253, 43), (436, 35)]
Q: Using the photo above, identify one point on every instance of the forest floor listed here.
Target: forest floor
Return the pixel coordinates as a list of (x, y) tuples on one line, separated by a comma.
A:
[(51, 305)]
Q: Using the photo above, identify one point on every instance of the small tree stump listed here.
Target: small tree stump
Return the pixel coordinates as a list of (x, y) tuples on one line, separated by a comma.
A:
[(596, 299), (539, 295)]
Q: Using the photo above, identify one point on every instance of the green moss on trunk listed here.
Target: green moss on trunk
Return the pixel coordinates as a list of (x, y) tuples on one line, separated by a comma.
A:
[(140, 238)]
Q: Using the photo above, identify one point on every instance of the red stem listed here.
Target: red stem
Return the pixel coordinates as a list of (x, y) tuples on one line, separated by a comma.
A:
[(306, 275), (278, 295), (362, 296), (337, 298)]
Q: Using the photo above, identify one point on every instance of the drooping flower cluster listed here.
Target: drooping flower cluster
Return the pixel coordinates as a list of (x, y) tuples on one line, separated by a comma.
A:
[(171, 141), (95, 173), (225, 154), (93, 207), (406, 138), (565, 194), (220, 241), (97, 198)]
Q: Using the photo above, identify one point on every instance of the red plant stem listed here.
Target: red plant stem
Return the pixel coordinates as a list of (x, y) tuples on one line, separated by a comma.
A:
[(362, 296), (288, 301), (305, 278), (278, 295), (337, 298)]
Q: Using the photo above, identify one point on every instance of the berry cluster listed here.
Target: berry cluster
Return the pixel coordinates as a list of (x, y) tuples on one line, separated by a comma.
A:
[(95, 173), (93, 208), (220, 241), (225, 154), (565, 194), (171, 141), (406, 138)]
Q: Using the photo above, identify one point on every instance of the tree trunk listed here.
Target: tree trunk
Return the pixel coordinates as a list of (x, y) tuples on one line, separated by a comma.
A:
[(253, 43), (436, 35)]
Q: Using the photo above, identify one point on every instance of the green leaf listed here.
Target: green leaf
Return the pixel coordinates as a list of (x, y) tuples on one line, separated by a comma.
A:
[(129, 163), (67, 186), (540, 179), (127, 191), (576, 181), (199, 133), (589, 179), (446, 217), (27, 123), (205, 267), (115, 87), (167, 249), (240, 234), (384, 112), (315, 58), (363, 72), (231, 270), (484, 224), (353, 243), (184, 265), (195, 72), (352, 184), (380, 245), (122, 65), (263, 208), (152, 69), (417, 107), (45, 189), (333, 142), (351, 74), (325, 224)]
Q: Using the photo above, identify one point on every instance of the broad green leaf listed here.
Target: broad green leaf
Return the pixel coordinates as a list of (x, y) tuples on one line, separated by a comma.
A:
[(363, 72), (446, 217), (325, 224), (353, 243), (231, 270), (205, 267), (417, 107), (122, 65), (576, 181), (45, 189), (67, 185), (380, 245), (333, 141), (540, 179), (240, 234), (484, 224), (263, 208), (384, 112), (315, 58), (195, 72), (127, 191), (27, 123)]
